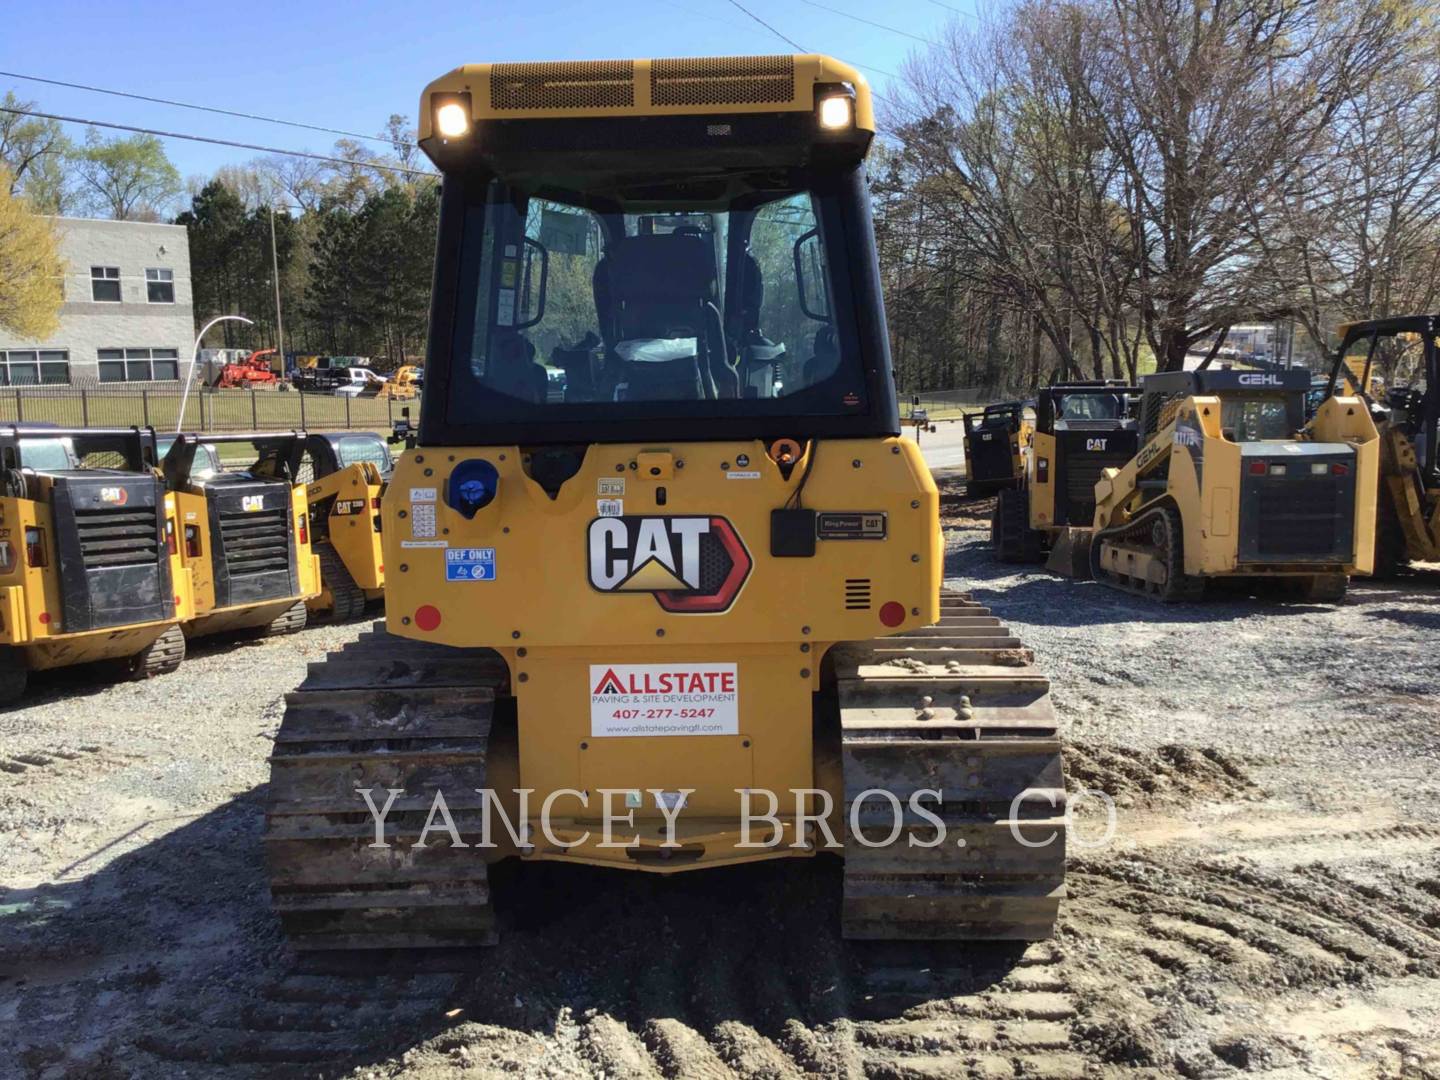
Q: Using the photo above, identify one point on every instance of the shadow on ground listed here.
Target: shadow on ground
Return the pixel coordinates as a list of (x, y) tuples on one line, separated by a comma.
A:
[(167, 958)]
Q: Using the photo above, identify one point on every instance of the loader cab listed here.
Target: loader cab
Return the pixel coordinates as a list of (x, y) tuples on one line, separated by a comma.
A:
[(1081, 429), (86, 567), (207, 458), (348, 472), (245, 530)]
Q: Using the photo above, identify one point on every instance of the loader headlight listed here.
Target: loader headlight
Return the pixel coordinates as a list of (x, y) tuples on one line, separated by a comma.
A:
[(473, 486)]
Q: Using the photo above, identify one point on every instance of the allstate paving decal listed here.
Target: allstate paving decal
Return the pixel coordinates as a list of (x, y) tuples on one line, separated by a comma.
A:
[(664, 699)]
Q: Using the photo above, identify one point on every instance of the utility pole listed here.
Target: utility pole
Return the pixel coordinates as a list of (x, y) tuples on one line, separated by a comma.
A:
[(275, 271)]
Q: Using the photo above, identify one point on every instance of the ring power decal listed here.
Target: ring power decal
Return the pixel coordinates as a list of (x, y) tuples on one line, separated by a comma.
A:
[(664, 699), (692, 565)]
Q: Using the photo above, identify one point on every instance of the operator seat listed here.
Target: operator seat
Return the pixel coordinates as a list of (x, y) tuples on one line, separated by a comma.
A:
[(655, 297)]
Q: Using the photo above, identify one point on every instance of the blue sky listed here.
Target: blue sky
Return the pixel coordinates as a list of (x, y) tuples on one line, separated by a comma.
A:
[(349, 65)]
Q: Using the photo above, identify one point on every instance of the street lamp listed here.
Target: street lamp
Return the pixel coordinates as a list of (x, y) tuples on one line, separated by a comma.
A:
[(194, 352)]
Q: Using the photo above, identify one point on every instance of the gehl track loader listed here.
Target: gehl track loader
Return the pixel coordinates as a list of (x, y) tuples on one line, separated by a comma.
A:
[(88, 568), (658, 592), (245, 541), (1408, 509), (995, 440), (1231, 483), (1081, 429)]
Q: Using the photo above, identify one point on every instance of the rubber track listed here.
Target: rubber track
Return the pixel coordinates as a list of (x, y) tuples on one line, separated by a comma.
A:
[(347, 598), (160, 657), (1137, 534), (383, 712), (955, 707)]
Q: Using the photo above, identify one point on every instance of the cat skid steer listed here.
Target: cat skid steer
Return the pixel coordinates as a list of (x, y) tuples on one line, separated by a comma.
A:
[(88, 569), (245, 539)]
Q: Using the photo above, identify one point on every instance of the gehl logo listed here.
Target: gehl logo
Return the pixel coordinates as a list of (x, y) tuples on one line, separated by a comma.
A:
[(1095, 444), (693, 565), (1260, 379)]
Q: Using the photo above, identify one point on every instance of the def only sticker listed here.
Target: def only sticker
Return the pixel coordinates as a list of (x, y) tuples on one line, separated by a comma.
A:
[(664, 699), (470, 564)]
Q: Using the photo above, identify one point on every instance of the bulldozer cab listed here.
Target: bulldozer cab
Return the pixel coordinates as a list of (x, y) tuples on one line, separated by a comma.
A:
[(693, 276), (245, 530)]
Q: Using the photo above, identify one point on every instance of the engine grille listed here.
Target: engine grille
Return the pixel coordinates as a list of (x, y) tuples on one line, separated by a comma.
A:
[(857, 594), (1297, 515), (1082, 470), (594, 84), (723, 80), (255, 542), (114, 536)]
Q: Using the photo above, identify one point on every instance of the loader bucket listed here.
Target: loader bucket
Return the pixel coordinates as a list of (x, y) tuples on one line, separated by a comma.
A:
[(1070, 554)]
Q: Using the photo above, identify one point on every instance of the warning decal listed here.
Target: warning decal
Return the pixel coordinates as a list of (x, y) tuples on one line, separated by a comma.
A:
[(664, 699)]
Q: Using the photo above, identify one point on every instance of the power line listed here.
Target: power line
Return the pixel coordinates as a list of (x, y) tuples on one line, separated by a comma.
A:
[(788, 40), (801, 48), (868, 22), (731, 22), (956, 10), (189, 105), (222, 142)]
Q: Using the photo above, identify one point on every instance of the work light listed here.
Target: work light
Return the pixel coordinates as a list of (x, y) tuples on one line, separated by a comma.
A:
[(452, 120), (836, 112)]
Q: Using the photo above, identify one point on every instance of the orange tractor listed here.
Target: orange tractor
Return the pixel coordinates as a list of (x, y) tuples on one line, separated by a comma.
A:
[(252, 373)]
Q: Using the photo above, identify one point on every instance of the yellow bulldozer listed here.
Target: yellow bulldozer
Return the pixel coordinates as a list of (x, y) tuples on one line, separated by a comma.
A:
[(1407, 524), (1230, 482), (621, 615), (88, 564)]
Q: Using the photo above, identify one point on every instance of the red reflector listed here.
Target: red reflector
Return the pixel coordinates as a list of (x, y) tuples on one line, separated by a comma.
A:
[(1257, 468), (427, 617), (45, 617), (382, 568), (375, 503), (177, 600), (1339, 469), (304, 530), (892, 614)]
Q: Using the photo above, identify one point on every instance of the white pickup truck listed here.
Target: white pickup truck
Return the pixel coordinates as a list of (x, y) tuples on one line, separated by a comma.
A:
[(358, 382)]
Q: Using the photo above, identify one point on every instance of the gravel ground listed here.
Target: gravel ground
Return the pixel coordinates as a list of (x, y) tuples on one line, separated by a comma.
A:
[(1269, 905)]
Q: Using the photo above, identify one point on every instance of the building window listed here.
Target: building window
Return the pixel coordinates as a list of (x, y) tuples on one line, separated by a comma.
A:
[(105, 284), (32, 367), (160, 286), (139, 365)]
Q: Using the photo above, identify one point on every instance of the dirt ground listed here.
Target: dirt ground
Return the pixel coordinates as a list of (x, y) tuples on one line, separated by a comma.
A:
[(1269, 905)]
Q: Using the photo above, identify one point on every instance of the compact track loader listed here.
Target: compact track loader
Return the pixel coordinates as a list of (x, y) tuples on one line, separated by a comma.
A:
[(1081, 429), (669, 592), (87, 564), (995, 440), (1408, 510), (245, 542), (349, 471), (1231, 482)]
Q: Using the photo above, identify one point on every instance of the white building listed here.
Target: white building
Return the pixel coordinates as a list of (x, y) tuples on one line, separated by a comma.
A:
[(127, 315)]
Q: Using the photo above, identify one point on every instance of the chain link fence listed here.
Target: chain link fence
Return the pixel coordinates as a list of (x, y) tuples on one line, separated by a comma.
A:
[(206, 410), (942, 404)]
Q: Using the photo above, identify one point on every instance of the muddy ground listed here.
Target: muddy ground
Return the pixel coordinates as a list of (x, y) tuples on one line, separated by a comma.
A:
[(1270, 904)]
